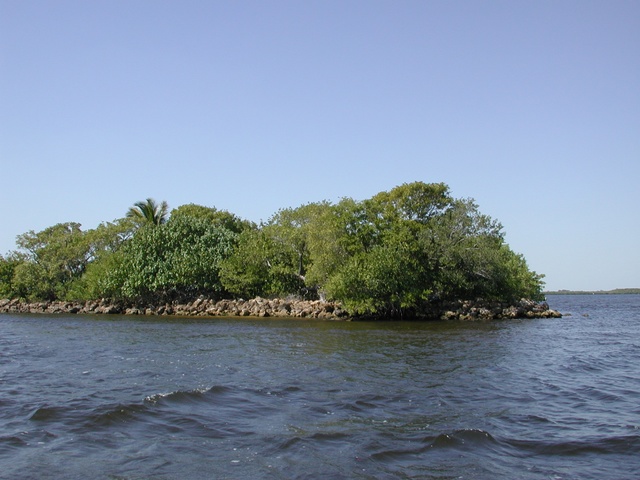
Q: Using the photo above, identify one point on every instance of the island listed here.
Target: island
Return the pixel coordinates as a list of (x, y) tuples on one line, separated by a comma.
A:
[(413, 252)]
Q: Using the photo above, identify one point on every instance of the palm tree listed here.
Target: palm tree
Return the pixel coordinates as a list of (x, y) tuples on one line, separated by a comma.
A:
[(149, 212)]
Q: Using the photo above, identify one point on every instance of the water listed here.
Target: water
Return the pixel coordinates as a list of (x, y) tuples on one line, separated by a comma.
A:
[(137, 398)]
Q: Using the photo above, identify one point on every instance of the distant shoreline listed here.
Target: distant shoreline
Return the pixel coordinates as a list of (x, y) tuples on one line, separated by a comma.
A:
[(617, 291)]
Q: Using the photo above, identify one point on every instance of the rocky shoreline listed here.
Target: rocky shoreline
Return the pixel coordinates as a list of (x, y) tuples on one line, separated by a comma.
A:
[(283, 308)]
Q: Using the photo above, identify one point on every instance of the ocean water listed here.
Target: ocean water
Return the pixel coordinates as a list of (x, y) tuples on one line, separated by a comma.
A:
[(112, 397)]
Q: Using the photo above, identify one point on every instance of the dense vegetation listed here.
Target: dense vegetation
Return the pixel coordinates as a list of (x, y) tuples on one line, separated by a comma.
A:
[(391, 254)]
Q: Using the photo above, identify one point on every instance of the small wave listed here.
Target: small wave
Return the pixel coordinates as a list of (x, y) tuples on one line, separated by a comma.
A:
[(580, 365), (478, 440), (79, 417), (364, 403), (328, 436), (464, 438), (12, 441), (9, 443), (283, 391), (302, 441), (598, 394), (183, 396), (108, 416), (536, 419), (47, 414), (628, 444)]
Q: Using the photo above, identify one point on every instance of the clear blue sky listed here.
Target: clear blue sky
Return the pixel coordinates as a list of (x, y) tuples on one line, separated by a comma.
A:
[(532, 108)]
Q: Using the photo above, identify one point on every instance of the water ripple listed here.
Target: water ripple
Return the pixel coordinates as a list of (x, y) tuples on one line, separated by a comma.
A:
[(165, 398)]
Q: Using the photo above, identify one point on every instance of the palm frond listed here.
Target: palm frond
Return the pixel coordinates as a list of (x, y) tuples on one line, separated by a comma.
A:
[(149, 212)]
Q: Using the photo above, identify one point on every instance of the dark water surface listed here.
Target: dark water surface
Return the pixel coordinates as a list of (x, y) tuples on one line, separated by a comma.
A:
[(162, 398)]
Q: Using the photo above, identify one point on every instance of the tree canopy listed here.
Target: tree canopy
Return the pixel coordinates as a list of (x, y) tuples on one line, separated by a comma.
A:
[(392, 254), (176, 260)]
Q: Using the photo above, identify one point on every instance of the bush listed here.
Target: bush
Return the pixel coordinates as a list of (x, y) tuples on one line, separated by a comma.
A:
[(180, 258)]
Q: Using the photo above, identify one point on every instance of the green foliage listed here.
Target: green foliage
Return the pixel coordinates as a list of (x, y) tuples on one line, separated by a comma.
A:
[(108, 237), (416, 202), (392, 254), (385, 280), (276, 259), (218, 218), (261, 266), (97, 280), (149, 212), (417, 243), (102, 243), (177, 259), (51, 264), (329, 247), (53, 258), (293, 228), (8, 267), (516, 280)]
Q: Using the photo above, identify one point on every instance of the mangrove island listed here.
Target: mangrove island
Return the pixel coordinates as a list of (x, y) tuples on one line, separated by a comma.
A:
[(413, 252)]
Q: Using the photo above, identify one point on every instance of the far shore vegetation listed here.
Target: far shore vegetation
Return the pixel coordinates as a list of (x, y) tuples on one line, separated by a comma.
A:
[(392, 254), (617, 291)]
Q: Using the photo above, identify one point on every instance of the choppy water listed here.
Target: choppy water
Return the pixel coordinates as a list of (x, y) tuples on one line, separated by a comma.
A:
[(134, 398)]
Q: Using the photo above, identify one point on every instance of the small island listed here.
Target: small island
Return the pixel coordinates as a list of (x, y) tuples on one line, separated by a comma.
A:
[(410, 253)]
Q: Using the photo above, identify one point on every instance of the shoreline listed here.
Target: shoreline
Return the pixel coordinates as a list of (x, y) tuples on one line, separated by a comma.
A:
[(284, 308)]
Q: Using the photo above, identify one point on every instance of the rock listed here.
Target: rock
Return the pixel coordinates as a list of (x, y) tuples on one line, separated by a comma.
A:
[(467, 310), (197, 303)]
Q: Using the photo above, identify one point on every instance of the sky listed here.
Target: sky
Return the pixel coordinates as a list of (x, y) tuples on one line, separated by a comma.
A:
[(531, 108)]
